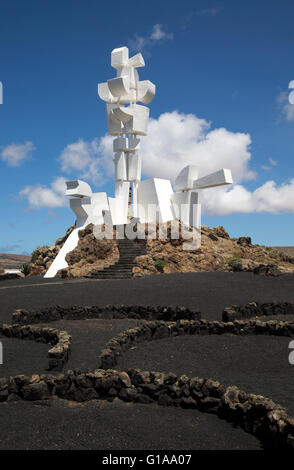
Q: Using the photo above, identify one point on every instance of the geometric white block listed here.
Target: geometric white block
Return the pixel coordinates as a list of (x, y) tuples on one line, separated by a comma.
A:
[(114, 125), (122, 113), (136, 61), (131, 75), (146, 91), (89, 210), (124, 144), (154, 201), (119, 57), (120, 166), (121, 190), (139, 122), (134, 163), (133, 144), (187, 208), (104, 93), (120, 144), (99, 203), (81, 208), (118, 206), (119, 86), (78, 188), (186, 177), (219, 178)]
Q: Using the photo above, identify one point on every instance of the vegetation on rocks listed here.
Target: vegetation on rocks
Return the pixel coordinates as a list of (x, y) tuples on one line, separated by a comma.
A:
[(159, 264), (235, 263), (37, 252), (25, 269)]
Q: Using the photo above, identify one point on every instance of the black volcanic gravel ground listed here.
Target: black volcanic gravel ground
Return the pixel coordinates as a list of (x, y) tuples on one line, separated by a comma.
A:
[(23, 357), (88, 337), (210, 292), (58, 424), (257, 364)]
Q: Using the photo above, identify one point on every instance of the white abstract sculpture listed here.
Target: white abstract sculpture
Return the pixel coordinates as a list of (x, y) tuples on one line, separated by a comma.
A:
[(153, 200), (126, 120), (187, 204), (89, 209)]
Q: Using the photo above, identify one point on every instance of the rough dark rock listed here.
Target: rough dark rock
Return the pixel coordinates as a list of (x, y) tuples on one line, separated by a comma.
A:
[(244, 241), (267, 270), (254, 309)]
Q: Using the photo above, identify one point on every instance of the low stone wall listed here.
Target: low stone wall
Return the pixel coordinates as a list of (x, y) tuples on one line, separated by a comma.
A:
[(166, 313), (159, 329), (254, 309), (255, 414), (58, 355)]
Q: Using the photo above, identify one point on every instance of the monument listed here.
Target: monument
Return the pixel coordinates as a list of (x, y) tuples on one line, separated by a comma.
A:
[(149, 201)]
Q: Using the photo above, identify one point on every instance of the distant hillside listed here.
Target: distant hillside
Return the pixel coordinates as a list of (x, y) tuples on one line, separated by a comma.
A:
[(289, 250), (8, 261)]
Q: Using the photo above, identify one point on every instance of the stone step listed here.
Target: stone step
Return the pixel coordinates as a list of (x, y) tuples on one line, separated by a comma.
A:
[(111, 276), (131, 256), (123, 269), (117, 266), (120, 266), (128, 255), (131, 253)]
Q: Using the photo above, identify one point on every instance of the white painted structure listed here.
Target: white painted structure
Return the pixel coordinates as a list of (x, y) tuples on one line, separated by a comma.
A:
[(88, 208), (12, 271), (153, 200)]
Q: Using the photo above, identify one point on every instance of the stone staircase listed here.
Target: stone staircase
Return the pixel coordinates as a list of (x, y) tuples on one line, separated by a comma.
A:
[(123, 269)]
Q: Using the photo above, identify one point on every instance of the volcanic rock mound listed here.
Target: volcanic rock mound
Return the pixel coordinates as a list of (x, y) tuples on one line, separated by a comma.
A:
[(217, 252)]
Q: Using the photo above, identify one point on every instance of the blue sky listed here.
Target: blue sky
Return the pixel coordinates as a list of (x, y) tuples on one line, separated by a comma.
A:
[(222, 70)]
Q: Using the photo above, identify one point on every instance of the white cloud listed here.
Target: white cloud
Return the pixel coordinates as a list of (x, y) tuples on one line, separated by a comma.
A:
[(84, 159), (269, 197), (286, 108), (139, 43), (273, 162), (175, 140), (14, 154), (158, 34), (41, 196), (270, 164), (221, 201)]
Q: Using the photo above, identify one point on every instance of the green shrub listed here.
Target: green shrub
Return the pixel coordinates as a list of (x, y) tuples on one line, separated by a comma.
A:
[(235, 262), (25, 269), (37, 252), (268, 248), (159, 264)]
